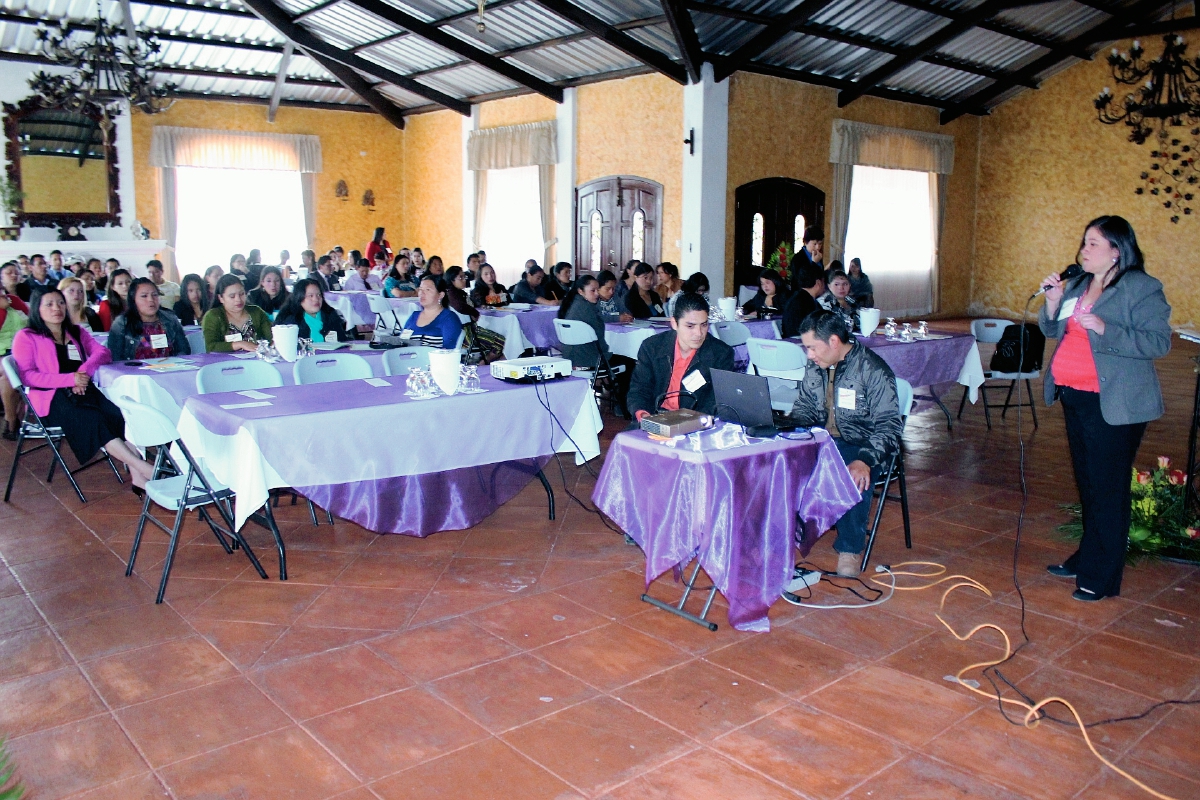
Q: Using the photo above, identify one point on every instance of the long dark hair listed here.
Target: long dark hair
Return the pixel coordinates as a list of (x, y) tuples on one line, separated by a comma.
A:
[(38, 325), (643, 269), (394, 272), (440, 284), (774, 277), (116, 303), (255, 257), (223, 284), (269, 303), (354, 258), (133, 319), (187, 281), (378, 238), (696, 283), (582, 282), (1119, 233), (292, 307), (630, 266), (483, 288)]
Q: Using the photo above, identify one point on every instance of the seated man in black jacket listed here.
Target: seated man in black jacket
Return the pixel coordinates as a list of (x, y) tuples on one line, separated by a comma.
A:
[(673, 367), (810, 285), (851, 392)]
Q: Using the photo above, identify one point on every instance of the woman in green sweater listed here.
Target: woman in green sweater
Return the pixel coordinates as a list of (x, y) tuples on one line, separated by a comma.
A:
[(231, 324)]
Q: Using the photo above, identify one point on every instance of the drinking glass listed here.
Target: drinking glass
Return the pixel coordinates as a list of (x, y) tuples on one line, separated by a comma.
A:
[(906, 334), (471, 380), (890, 328), (923, 329)]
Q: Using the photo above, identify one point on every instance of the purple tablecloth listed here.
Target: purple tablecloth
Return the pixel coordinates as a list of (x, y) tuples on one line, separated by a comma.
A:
[(734, 509), (926, 362), (537, 324)]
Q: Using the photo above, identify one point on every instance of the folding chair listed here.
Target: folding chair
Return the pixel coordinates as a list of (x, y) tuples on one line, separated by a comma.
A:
[(731, 333), (990, 331), (331, 367), (577, 333), (400, 360), (779, 361), (32, 427), (470, 337), (383, 312), (893, 473), (181, 492)]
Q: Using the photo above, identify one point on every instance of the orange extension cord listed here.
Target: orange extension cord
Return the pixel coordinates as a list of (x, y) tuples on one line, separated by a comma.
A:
[(1032, 712)]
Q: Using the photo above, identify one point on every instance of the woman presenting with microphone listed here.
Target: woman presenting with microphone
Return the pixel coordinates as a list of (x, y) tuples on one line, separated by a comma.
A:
[(1111, 322)]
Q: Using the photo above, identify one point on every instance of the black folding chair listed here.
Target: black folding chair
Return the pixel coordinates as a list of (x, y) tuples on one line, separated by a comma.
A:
[(33, 427), (894, 473)]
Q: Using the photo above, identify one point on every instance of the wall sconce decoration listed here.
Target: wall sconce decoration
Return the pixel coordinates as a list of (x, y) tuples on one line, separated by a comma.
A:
[(369, 199), (341, 191), (1167, 98)]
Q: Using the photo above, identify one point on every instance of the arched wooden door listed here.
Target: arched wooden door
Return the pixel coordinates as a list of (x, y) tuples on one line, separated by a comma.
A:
[(770, 211), (617, 218)]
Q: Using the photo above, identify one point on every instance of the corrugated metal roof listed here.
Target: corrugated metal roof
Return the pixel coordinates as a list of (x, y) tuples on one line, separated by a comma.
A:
[(218, 47)]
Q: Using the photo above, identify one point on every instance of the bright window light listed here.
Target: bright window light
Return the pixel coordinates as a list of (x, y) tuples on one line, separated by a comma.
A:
[(225, 211), (512, 222), (890, 231)]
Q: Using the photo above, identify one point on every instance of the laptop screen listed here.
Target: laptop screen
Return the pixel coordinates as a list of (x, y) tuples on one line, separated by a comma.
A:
[(741, 398)]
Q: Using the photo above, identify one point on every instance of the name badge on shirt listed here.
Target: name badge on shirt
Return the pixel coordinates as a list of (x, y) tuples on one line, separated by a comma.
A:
[(233, 337), (693, 382), (159, 341), (406, 333), (846, 398), (73, 352), (1068, 308), (331, 336)]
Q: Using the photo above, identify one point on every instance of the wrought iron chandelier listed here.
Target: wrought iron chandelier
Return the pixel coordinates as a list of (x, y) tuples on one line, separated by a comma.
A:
[(108, 68), (1166, 106)]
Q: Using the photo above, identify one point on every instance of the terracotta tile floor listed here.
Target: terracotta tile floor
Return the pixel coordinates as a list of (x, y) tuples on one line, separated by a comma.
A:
[(515, 660)]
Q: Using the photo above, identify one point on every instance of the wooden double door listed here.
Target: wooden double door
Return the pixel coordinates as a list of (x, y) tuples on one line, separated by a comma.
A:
[(770, 211), (617, 218)]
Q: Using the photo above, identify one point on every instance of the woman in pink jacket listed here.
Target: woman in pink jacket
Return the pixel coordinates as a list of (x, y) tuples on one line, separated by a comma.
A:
[(56, 359)]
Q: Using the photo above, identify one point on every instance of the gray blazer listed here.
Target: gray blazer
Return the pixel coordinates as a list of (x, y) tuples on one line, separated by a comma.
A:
[(1137, 330)]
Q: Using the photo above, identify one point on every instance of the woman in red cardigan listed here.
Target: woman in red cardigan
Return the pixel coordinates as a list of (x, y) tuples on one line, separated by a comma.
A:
[(378, 245), (56, 360)]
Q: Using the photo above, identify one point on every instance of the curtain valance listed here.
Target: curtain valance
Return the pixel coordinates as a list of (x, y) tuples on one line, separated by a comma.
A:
[(201, 147), (534, 143), (857, 143)]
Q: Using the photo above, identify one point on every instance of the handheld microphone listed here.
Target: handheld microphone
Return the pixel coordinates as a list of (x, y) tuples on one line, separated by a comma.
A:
[(1073, 271)]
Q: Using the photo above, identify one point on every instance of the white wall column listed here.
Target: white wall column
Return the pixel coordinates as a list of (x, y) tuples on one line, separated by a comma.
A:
[(469, 124), (706, 122), (564, 178)]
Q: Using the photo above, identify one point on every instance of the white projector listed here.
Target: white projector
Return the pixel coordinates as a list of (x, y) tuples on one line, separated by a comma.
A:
[(534, 368)]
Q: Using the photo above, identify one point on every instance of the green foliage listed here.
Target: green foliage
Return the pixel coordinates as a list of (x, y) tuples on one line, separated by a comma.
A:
[(781, 260), (11, 197), (10, 788), (1159, 524)]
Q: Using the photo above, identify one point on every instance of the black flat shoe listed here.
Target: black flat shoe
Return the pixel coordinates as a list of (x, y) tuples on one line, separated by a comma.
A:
[(1085, 596), (1060, 571), (137, 490)]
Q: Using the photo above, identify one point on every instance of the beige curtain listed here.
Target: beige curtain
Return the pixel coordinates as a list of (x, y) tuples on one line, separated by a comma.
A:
[(201, 147), (857, 143), (480, 209), (839, 212), (166, 196), (546, 198), (513, 146), (938, 185)]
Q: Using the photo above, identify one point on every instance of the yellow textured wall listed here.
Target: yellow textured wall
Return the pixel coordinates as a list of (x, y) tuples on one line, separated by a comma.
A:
[(517, 111), (634, 126), (58, 184), (1048, 167), (432, 185), (365, 150), (781, 128)]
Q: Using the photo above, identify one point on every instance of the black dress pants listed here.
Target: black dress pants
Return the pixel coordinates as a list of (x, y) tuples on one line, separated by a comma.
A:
[(1102, 455)]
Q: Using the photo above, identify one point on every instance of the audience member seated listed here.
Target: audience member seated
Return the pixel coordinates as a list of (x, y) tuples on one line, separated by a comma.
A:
[(527, 289), (347, 265), (248, 272), (211, 276), (113, 304), (802, 302), (88, 276), (559, 284), (434, 267), (811, 256), (10, 281), (146, 330), (168, 289), (418, 261), (57, 361), (11, 321), (674, 367), (666, 280), (325, 276), (308, 264), (582, 304), (834, 266), (77, 307), (193, 300), (400, 281), (771, 299), (271, 294), (489, 342), (39, 278), (487, 292), (838, 299), (861, 290), (696, 283), (642, 302), (232, 324), (110, 266), (611, 309), (851, 392), (55, 268), (625, 281), (306, 308), (378, 246), (362, 280), (435, 325)]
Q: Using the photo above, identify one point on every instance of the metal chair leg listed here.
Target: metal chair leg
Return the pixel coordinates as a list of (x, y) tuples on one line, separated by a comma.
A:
[(137, 537), (278, 541), (549, 491), (904, 499), (174, 543), (888, 477), (312, 512), (12, 473), (987, 414), (963, 403), (1008, 399)]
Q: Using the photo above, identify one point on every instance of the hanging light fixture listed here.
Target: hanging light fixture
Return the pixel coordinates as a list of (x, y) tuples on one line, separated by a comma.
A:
[(108, 68)]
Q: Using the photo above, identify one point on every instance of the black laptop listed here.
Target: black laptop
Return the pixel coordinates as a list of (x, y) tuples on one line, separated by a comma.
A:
[(746, 400)]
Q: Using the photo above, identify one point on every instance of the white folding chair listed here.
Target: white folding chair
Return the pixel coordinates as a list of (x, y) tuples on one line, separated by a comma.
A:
[(331, 367), (182, 491), (746, 294), (990, 331), (731, 332), (894, 473), (237, 376), (33, 427), (400, 360), (383, 313), (780, 361), (196, 342), (579, 334)]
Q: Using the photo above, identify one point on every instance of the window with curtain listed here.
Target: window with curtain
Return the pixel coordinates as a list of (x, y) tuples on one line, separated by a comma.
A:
[(225, 211), (891, 231), (512, 227)]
